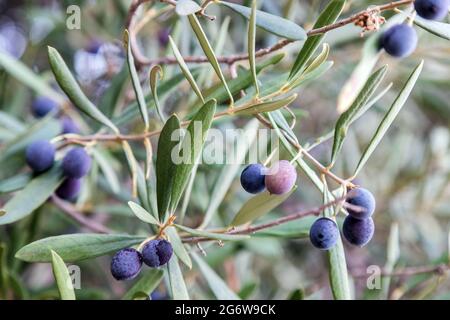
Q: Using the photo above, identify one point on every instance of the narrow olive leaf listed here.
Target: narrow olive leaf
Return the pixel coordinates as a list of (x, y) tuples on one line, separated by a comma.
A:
[(25, 201), (271, 23), (186, 7), (145, 285), (361, 112), (178, 246), (437, 28), (282, 123), (390, 117), (22, 73), (76, 247), (165, 167), (15, 183), (105, 162), (310, 76), (140, 98), (142, 214), (361, 100), (218, 287), (155, 73), (62, 277), (213, 235), (185, 69), (328, 16), (207, 49), (251, 42), (191, 149), (242, 82), (338, 273), (176, 281), (229, 172), (70, 86), (258, 206), (165, 87), (267, 106), (320, 59), (132, 165), (4, 271)]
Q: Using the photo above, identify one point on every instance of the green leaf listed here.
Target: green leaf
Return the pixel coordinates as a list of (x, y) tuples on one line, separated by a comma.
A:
[(218, 286), (145, 285), (229, 171), (15, 183), (185, 69), (132, 111), (212, 235), (347, 117), (186, 7), (62, 277), (21, 72), (165, 168), (328, 16), (207, 49), (142, 214), (271, 23), (267, 106), (32, 196), (69, 85), (336, 258), (155, 73), (176, 281), (437, 28), (390, 117), (297, 229), (242, 82), (338, 272), (258, 206), (178, 246), (310, 76), (361, 112), (76, 247), (251, 41), (191, 148), (320, 59), (135, 79)]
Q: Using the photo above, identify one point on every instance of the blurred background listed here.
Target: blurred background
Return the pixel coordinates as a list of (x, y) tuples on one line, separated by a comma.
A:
[(409, 173)]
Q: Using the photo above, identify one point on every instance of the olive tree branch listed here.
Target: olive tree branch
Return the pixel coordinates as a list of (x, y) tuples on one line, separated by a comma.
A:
[(364, 14), (295, 216)]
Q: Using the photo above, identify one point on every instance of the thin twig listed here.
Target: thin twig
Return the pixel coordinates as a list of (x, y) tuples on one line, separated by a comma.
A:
[(279, 45), (72, 212), (255, 228)]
